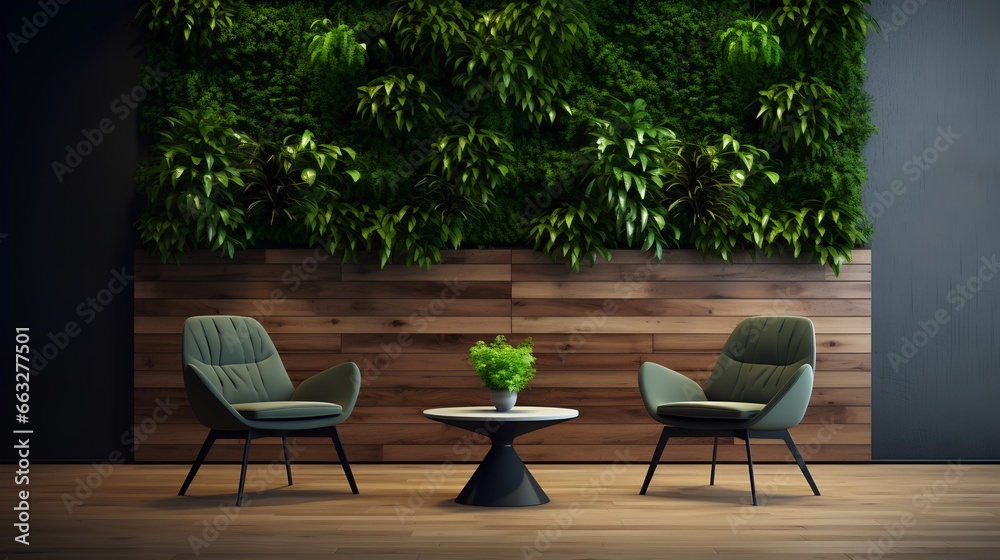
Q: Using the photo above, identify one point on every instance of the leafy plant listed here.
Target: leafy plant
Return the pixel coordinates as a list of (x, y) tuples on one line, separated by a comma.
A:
[(823, 24), (428, 28), (281, 175), (573, 232), (704, 180), (502, 366), (194, 187), (398, 100), (515, 51), (334, 47), (751, 41), (627, 174), (200, 18), (826, 230), (468, 163), (806, 110)]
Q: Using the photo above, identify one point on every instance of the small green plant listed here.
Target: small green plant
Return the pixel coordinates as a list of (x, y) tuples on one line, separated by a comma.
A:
[(281, 175), (504, 367), (805, 110), (705, 179), (334, 47), (825, 230), (751, 41), (400, 101), (574, 232)]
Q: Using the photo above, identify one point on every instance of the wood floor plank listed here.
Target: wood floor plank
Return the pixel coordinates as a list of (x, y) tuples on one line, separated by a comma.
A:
[(406, 512)]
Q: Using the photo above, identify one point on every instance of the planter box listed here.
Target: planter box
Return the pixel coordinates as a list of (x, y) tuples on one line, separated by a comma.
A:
[(409, 330)]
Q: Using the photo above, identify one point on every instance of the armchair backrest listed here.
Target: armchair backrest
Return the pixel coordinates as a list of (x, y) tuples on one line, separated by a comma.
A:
[(761, 355), (237, 357)]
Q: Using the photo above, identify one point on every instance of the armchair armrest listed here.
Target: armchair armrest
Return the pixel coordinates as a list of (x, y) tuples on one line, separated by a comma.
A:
[(339, 385), (210, 407), (789, 404), (659, 385)]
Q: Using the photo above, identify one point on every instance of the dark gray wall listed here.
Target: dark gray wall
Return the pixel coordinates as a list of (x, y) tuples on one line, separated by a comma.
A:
[(65, 242), (934, 194)]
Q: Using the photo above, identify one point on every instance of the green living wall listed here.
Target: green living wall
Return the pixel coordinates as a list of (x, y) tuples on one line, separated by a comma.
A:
[(575, 127)]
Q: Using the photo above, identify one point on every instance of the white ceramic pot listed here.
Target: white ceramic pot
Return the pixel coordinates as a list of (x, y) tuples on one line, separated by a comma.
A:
[(502, 399)]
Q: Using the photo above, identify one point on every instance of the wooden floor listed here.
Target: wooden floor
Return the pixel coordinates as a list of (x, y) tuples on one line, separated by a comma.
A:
[(406, 512)]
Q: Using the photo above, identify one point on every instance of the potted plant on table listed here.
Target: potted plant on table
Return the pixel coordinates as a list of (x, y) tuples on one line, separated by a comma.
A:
[(504, 369)]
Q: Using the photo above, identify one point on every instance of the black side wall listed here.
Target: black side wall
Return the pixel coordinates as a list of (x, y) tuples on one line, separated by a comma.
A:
[(67, 241)]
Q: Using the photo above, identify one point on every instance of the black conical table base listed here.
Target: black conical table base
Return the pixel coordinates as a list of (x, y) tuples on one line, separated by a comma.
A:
[(502, 479)]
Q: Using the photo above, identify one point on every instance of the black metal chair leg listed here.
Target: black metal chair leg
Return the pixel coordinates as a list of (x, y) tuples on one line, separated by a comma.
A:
[(343, 460), (288, 463), (753, 486), (655, 460), (798, 459), (198, 461), (715, 454), (243, 470)]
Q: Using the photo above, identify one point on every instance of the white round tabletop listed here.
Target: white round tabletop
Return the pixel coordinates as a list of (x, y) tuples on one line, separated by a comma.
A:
[(525, 413)]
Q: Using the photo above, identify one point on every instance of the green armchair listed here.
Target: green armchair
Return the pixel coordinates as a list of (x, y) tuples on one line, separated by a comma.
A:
[(238, 388), (760, 387)]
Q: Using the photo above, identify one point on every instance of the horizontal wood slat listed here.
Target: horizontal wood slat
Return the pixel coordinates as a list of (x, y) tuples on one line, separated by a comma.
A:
[(410, 329)]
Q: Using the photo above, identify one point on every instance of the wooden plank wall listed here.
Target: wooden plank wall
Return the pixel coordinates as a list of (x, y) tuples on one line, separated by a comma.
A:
[(410, 329)]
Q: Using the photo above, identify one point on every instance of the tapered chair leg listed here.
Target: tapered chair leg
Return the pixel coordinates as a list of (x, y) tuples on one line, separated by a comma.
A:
[(798, 459), (243, 470), (715, 454), (288, 463), (343, 460), (198, 461), (753, 485), (664, 436)]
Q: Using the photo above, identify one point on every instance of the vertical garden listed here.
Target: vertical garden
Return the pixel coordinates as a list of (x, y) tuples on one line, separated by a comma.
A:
[(400, 129)]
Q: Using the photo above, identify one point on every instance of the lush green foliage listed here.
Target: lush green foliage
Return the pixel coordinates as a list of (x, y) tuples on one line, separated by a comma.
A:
[(284, 178), (578, 126), (334, 47), (825, 25), (750, 42), (186, 17), (802, 111), (194, 186), (502, 366)]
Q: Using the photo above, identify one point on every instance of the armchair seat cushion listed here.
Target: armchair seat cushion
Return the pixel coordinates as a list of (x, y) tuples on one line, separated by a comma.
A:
[(716, 410), (287, 410)]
